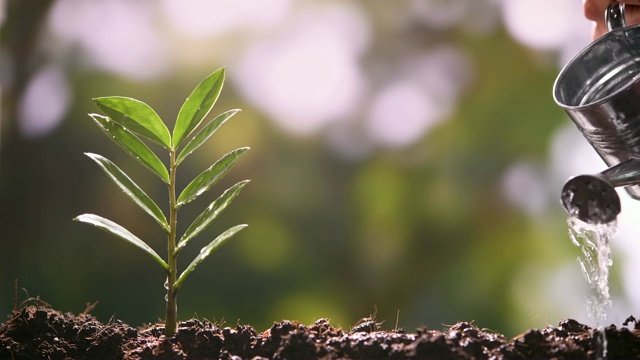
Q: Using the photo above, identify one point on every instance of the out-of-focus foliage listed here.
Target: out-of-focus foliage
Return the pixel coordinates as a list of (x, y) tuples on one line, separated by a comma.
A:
[(408, 158)]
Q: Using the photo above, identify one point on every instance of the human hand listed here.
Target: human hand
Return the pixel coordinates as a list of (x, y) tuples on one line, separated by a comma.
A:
[(594, 11)]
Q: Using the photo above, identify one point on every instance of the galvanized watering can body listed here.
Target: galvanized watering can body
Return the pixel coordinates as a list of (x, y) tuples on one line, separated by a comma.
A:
[(600, 91)]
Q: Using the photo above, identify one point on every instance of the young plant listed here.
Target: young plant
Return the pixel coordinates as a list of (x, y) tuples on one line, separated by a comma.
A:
[(126, 120)]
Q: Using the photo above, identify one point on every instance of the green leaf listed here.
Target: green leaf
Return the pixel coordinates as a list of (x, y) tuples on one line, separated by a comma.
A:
[(210, 213), (197, 106), (206, 251), (209, 177), (133, 191), (136, 117), (132, 145), (124, 234), (204, 134)]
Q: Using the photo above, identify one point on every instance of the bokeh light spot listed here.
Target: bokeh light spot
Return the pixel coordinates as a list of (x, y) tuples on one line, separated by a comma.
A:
[(116, 35), (44, 103), (402, 112), (308, 76), (539, 24), (524, 185), (204, 18)]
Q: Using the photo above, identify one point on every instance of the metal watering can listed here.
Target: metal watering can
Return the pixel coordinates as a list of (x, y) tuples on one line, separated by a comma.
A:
[(600, 91)]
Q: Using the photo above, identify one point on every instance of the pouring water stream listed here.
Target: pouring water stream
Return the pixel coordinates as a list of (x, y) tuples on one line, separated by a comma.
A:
[(593, 206), (595, 260)]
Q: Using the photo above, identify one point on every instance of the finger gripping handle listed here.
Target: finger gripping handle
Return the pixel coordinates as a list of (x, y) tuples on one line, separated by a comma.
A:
[(614, 16)]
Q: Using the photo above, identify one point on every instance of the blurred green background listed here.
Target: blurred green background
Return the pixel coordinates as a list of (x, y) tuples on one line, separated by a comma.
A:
[(407, 156)]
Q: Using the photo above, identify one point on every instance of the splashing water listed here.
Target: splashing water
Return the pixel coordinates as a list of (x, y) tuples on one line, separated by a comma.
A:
[(595, 261)]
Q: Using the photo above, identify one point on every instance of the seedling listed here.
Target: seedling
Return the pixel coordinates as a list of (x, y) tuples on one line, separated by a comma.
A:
[(126, 120)]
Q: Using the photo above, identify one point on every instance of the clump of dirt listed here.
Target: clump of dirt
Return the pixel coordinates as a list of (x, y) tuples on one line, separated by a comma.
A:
[(37, 332), (43, 333)]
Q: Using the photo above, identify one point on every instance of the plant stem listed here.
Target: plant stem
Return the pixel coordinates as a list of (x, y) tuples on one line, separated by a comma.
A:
[(171, 321)]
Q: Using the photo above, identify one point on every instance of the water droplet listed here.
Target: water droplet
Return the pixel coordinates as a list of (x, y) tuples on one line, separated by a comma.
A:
[(166, 298), (166, 283)]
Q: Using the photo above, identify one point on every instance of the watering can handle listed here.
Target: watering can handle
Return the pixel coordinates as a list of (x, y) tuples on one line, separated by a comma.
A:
[(614, 16)]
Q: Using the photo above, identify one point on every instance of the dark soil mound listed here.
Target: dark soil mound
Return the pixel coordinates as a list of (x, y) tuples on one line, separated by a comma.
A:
[(43, 333)]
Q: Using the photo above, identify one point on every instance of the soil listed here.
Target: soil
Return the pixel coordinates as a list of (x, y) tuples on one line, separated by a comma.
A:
[(39, 332)]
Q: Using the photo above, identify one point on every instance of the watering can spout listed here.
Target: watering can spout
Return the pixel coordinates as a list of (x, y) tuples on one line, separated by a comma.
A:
[(593, 199)]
